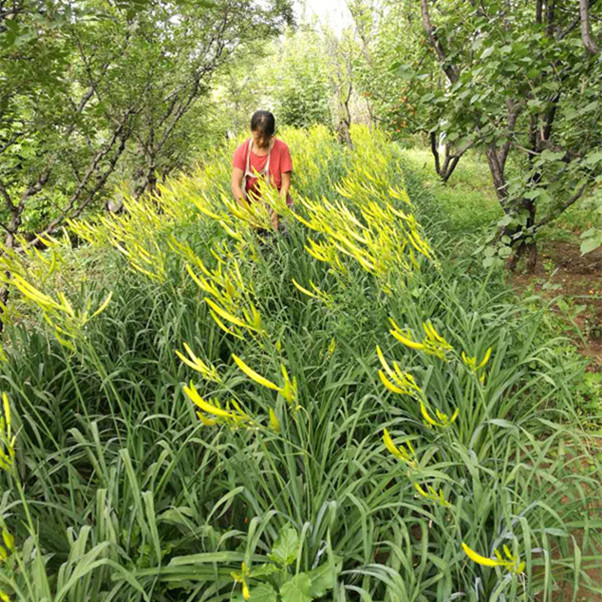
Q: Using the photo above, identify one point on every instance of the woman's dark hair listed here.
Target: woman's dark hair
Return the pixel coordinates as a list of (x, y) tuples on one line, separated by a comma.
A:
[(264, 122)]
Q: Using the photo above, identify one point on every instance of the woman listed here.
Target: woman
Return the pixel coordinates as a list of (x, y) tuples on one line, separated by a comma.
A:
[(266, 155)]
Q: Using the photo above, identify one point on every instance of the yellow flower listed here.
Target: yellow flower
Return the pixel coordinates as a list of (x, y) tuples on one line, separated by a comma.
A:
[(318, 294), (274, 422), (214, 409), (405, 453), (7, 440), (243, 578), (209, 372), (4, 596), (432, 344), (442, 421), (471, 362), (432, 494), (512, 564), (9, 540), (288, 389), (396, 380), (216, 309), (260, 380)]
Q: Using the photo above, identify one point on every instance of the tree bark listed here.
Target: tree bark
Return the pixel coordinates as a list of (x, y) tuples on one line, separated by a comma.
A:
[(450, 70), (586, 32)]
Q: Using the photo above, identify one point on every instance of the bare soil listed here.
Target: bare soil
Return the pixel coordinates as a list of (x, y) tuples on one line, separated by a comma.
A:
[(562, 272)]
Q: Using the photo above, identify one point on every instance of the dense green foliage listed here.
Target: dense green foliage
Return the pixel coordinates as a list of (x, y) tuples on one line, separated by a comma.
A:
[(120, 491), (518, 82), (95, 93)]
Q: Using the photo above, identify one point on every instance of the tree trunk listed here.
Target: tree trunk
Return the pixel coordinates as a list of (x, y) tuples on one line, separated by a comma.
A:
[(343, 133), (521, 246)]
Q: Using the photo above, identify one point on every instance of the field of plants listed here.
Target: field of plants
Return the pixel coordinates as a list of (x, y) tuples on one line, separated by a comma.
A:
[(354, 409)]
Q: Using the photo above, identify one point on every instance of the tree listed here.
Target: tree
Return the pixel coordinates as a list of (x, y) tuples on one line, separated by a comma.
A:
[(340, 64), (297, 80), (522, 81), (83, 84)]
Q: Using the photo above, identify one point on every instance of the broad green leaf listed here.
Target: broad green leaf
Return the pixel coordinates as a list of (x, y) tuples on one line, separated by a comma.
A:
[(297, 589), (548, 155), (591, 244), (286, 548), (324, 576), (263, 593)]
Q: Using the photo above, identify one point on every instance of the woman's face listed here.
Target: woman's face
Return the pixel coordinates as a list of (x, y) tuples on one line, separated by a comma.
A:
[(260, 139)]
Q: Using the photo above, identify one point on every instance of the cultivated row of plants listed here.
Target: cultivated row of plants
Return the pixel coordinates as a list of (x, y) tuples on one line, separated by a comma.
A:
[(194, 411)]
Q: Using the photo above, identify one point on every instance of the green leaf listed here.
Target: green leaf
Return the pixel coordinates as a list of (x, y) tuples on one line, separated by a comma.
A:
[(286, 548), (591, 244), (264, 569), (533, 194), (593, 157), (324, 576), (263, 593), (548, 155), (297, 589), (487, 52)]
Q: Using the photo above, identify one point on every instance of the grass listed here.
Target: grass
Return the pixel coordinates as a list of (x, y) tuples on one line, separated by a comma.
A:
[(121, 491), (469, 204), (468, 200)]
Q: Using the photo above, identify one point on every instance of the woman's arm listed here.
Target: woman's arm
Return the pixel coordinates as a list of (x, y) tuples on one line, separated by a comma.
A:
[(286, 184), (236, 185)]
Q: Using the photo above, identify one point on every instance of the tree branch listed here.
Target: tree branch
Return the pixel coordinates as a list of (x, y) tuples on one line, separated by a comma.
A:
[(431, 32), (586, 33), (552, 216)]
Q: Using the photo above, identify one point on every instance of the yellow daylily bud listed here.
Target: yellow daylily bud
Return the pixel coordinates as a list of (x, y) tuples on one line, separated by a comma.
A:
[(512, 564), (264, 382), (225, 315), (9, 540), (6, 405), (224, 327), (103, 305), (388, 384), (206, 421), (427, 417), (402, 338), (482, 560), (400, 453), (304, 290), (485, 358), (274, 422), (431, 494), (194, 396)]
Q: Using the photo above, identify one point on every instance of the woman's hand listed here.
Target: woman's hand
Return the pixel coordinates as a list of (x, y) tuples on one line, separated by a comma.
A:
[(274, 218), (236, 185), (285, 184)]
